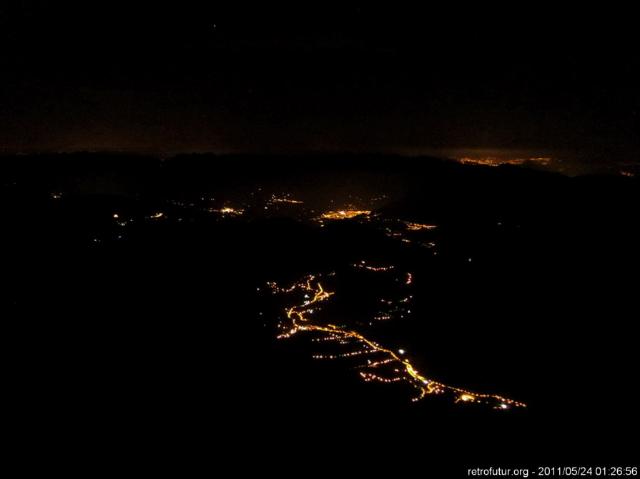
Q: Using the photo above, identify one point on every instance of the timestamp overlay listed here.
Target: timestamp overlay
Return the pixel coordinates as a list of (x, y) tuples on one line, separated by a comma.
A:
[(554, 471)]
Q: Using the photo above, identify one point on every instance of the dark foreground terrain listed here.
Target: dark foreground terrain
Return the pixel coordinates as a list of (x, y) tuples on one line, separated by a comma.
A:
[(140, 322)]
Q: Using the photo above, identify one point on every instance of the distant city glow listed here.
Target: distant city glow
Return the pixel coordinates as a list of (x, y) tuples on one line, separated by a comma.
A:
[(344, 214), (285, 200), (495, 161), (466, 398), (228, 211), (419, 226)]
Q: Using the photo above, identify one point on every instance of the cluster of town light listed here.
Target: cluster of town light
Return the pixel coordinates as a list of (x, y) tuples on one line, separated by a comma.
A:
[(383, 364)]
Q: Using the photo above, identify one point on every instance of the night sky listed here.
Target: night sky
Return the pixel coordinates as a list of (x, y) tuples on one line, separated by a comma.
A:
[(282, 79)]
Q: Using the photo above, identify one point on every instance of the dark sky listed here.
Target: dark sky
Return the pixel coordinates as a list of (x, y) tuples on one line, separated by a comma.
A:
[(184, 76)]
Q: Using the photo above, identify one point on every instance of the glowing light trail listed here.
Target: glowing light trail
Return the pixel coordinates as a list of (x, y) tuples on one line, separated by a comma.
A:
[(299, 319)]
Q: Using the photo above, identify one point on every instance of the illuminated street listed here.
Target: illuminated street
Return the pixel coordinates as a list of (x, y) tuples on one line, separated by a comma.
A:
[(382, 364)]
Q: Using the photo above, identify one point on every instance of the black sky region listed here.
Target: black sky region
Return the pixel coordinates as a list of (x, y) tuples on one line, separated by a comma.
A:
[(277, 78)]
